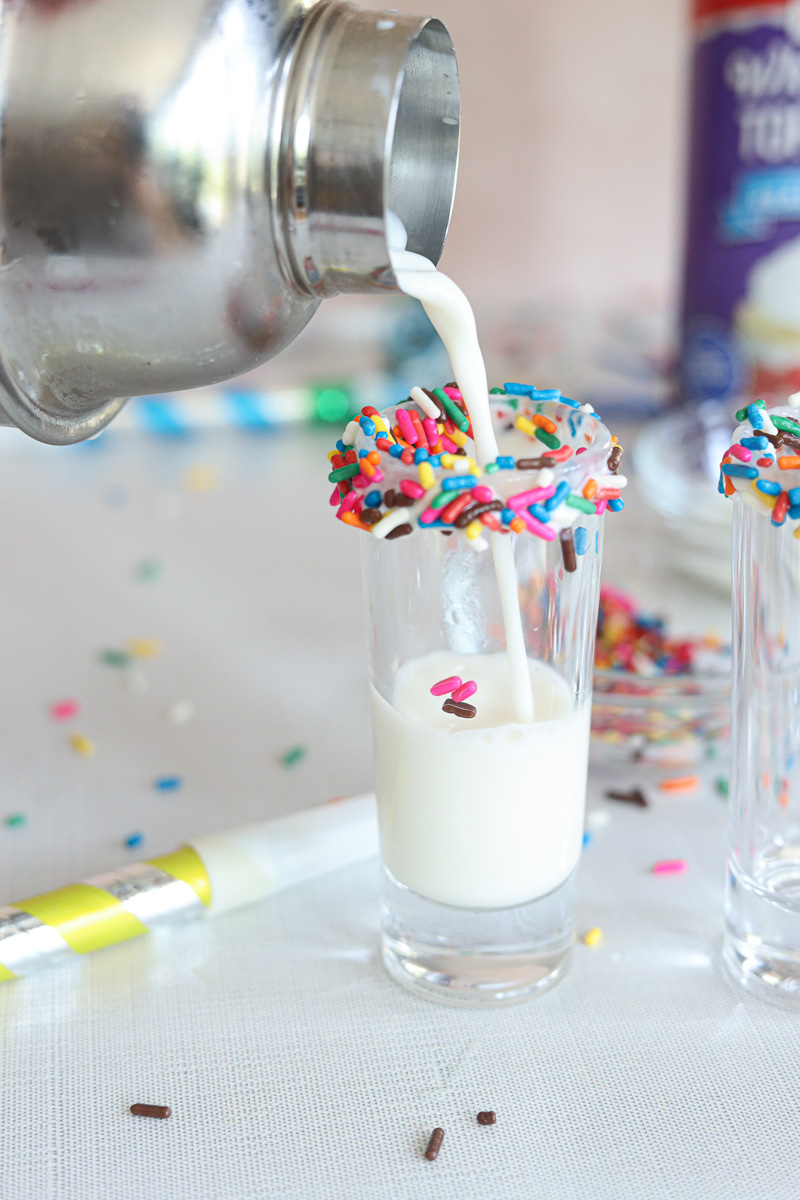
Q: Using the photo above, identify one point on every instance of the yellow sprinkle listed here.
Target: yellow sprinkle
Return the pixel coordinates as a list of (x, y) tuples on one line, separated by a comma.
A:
[(474, 529), (83, 745), (447, 462), (144, 648), (426, 475), (525, 425), (458, 437), (332, 454), (379, 425), (201, 477), (594, 937)]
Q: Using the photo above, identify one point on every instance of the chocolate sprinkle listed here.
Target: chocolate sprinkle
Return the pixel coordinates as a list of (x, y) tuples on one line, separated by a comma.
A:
[(370, 516), (614, 459), (634, 796), (399, 531), (434, 1145), (567, 550), (487, 1118), (535, 464), (459, 708), (389, 497), (151, 1110), (471, 514)]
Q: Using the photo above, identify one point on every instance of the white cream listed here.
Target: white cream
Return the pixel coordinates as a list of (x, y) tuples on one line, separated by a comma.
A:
[(482, 812)]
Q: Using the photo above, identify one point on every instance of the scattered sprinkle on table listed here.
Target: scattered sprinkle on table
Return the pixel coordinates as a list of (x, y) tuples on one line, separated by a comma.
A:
[(180, 712), (434, 1145), (670, 866), (680, 783), (114, 658), (293, 756), (133, 840), (16, 820), (593, 937), (201, 477), (722, 786), (161, 1111), (633, 796), (148, 570), (144, 648), (64, 710), (587, 838), (168, 783), (82, 745), (487, 1118)]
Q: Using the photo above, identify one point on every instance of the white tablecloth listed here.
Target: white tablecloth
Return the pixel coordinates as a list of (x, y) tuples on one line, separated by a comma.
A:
[(293, 1066)]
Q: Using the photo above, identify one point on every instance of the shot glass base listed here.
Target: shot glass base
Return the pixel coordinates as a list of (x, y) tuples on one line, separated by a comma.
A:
[(767, 964), (476, 958)]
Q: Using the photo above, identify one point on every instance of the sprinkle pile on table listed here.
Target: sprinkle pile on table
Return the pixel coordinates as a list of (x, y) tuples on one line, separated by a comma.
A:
[(412, 468)]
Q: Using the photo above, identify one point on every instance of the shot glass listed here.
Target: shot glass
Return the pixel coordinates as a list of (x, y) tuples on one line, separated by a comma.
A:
[(762, 901), (481, 819)]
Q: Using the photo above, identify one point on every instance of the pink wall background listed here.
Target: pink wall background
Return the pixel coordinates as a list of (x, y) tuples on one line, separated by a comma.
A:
[(571, 176)]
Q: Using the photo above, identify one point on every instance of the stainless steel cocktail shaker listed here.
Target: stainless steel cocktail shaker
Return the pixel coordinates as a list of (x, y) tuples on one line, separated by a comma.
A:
[(181, 183)]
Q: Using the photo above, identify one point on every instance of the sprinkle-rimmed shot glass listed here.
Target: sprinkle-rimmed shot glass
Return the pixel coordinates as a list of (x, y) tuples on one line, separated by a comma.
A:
[(481, 813)]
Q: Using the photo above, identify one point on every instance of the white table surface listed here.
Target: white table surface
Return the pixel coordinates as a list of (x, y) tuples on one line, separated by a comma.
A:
[(293, 1066)]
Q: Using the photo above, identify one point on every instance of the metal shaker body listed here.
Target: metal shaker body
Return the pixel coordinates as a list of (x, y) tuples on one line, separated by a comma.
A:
[(182, 183)]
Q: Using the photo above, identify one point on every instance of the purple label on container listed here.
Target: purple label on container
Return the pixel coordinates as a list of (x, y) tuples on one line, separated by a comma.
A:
[(741, 301)]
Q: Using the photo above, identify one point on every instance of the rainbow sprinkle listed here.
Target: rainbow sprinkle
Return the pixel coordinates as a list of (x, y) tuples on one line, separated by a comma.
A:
[(762, 464)]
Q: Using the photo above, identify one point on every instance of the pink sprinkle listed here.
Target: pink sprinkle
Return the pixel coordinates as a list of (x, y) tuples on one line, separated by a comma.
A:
[(429, 516), (349, 502), (377, 475), (581, 450), (406, 428), (483, 494), (409, 488), (64, 709), (453, 393), (534, 496), (465, 691), (600, 507), (335, 497), (361, 481), (740, 452), (448, 444), (670, 866), (431, 432), (541, 530), (445, 686)]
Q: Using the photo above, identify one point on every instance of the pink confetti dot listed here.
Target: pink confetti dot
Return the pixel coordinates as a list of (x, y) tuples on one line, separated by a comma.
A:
[(670, 866), (64, 710)]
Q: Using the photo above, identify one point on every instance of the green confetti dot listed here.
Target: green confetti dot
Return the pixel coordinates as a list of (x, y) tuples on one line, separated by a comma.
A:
[(16, 820), (148, 570), (332, 404), (114, 658), (293, 756), (722, 786)]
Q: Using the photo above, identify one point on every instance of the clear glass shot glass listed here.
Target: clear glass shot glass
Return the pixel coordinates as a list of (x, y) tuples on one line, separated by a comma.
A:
[(481, 820), (762, 901)]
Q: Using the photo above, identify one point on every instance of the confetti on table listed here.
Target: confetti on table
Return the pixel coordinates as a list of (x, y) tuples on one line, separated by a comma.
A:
[(133, 840), (114, 658), (64, 710), (148, 570), (180, 712), (161, 1111), (594, 936), (82, 745), (293, 756), (144, 648), (670, 866), (680, 783), (168, 783), (434, 1145), (487, 1118), (16, 820), (633, 796), (587, 838), (722, 787), (201, 477)]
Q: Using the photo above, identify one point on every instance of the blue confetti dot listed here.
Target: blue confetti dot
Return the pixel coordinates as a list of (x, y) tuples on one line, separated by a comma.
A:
[(133, 840), (168, 783), (580, 537), (587, 838)]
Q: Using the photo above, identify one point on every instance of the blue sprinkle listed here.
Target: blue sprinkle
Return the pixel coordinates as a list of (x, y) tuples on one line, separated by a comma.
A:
[(372, 499), (580, 538), (368, 425), (756, 416), (518, 389), (597, 542), (721, 484), (772, 489), (459, 483), (561, 493), (739, 471), (505, 462), (616, 505), (437, 524), (435, 460), (755, 443), (587, 838), (395, 450), (572, 425), (571, 403), (168, 783), (794, 495), (340, 446), (540, 512), (421, 455), (542, 394), (363, 453), (507, 515), (133, 840), (794, 512), (158, 414)]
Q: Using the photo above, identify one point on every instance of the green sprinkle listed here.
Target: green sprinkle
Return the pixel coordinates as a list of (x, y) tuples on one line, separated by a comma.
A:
[(496, 392), (491, 468), (453, 411), (579, 503), (741, 415), (549, 439), (148, 570), (442, 499), (344, 473), (722, 786), (333, 404), (16, 820), (293, 756), (114, 658), (787, 425)]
